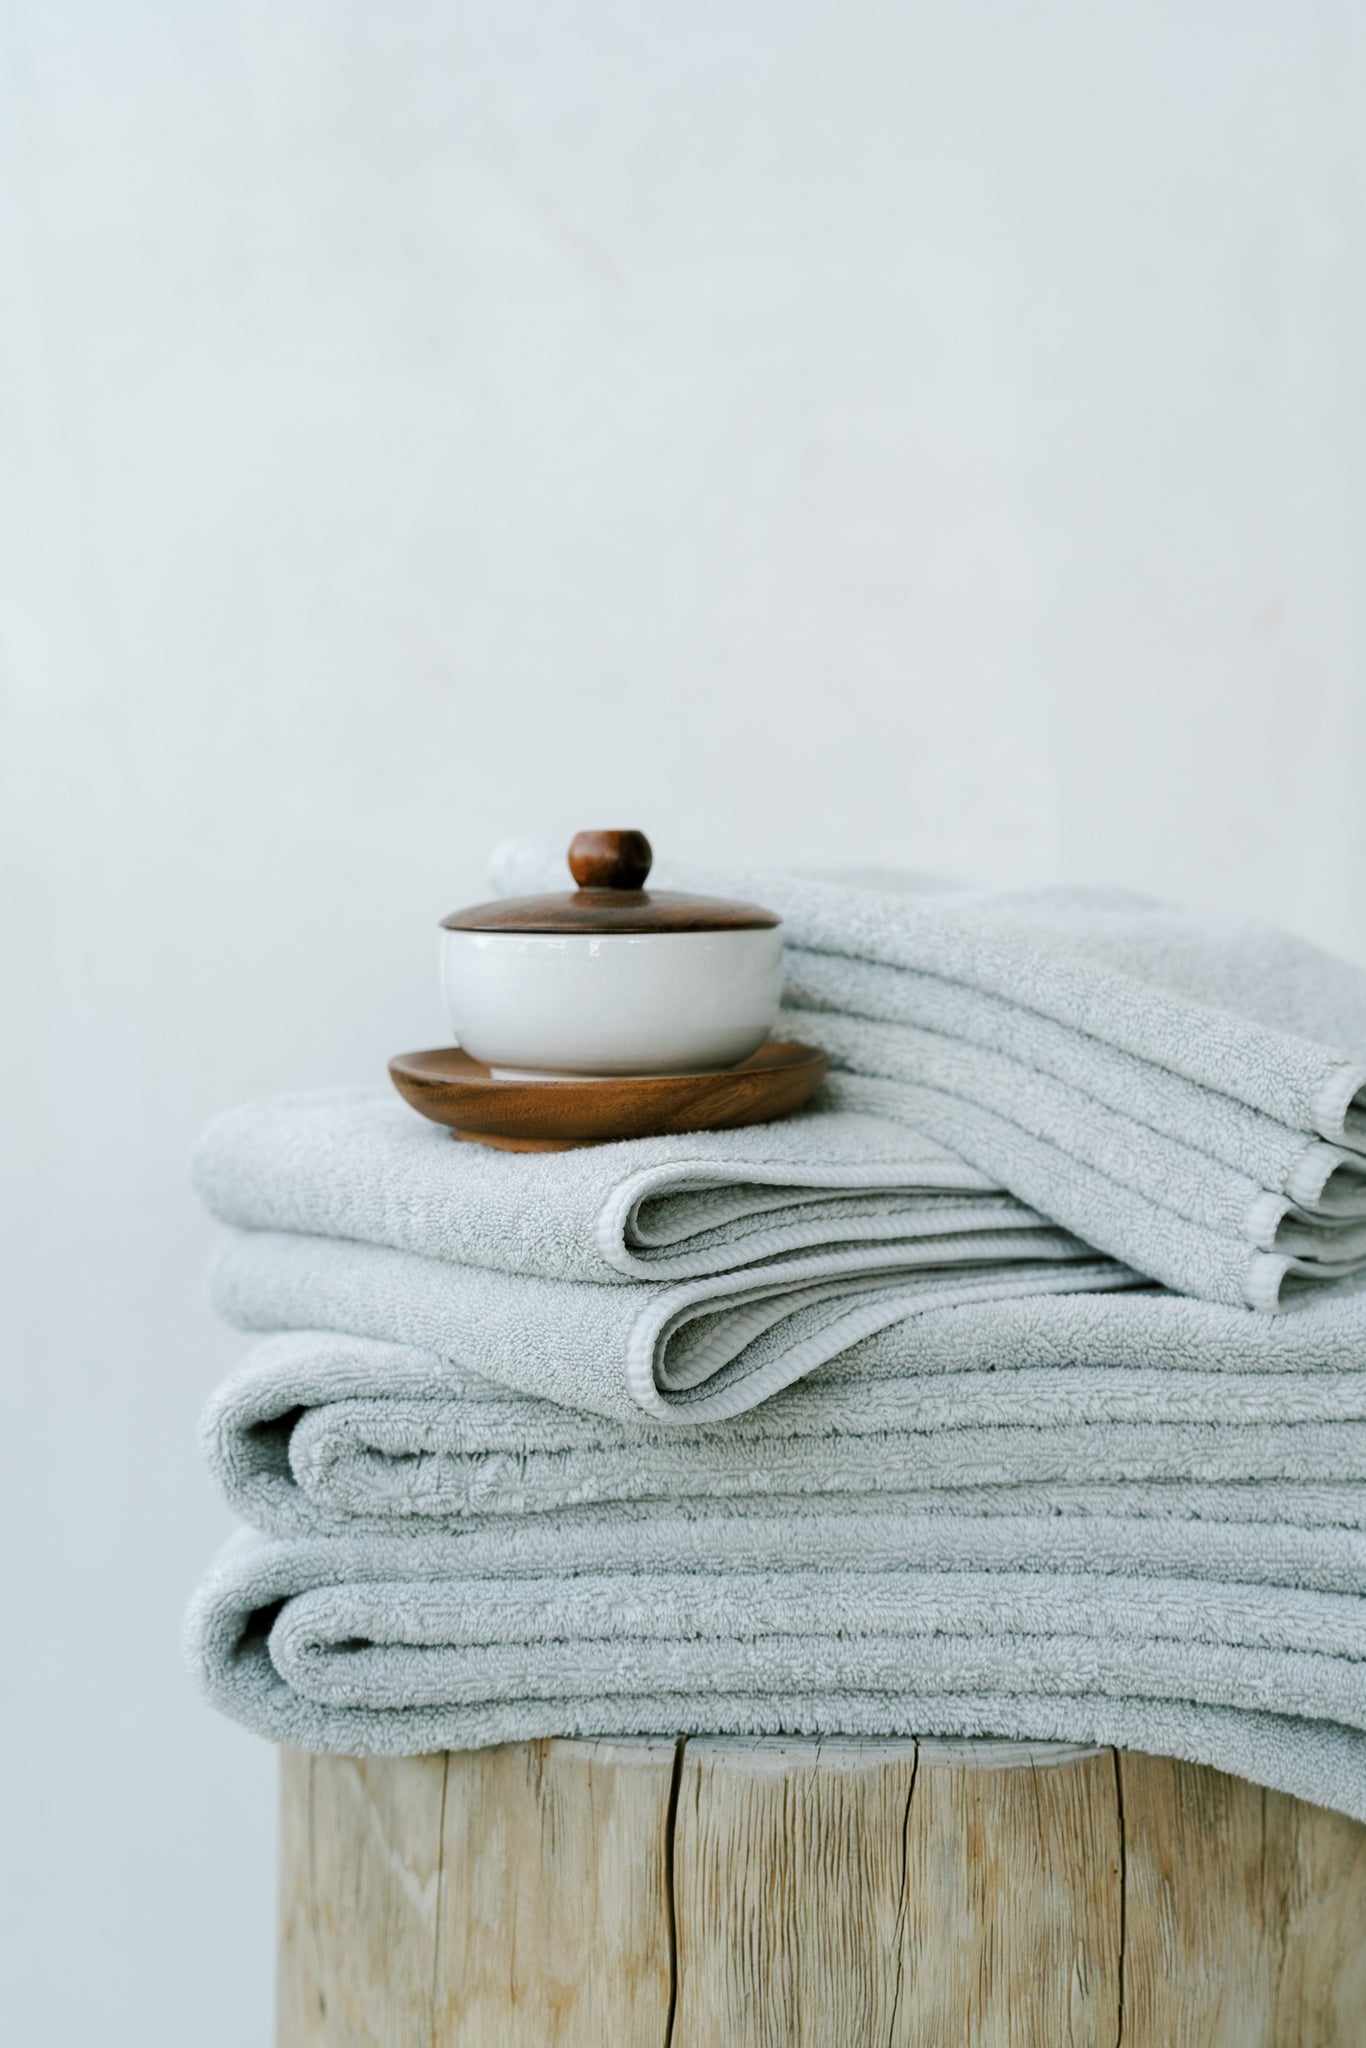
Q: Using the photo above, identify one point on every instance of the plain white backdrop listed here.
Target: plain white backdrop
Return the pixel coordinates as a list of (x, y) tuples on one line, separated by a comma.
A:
[(843, 430)]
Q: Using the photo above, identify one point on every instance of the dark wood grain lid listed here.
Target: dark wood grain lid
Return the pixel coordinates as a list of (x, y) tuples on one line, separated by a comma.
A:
[(611, 868)]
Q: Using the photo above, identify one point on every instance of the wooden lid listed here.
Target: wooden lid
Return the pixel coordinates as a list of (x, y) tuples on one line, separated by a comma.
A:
[(610, 869)]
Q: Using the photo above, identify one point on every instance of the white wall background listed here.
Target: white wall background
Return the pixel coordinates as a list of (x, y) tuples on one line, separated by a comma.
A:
[(920, 432)]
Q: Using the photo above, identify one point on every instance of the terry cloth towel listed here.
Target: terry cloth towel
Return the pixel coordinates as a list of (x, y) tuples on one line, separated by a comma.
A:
[(357, 1163), (1186, 1091), (689, 1277), (700, 1351), (829, 1618), (1197, 1409)]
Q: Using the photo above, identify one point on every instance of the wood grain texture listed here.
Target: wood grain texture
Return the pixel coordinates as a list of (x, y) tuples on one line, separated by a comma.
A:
[(513, 1897), (1246, 1913), (782, 1894), (788, 1891), (1013, 1898), (627, 912), (556, 1115), (510, 1970), (358, 1904)]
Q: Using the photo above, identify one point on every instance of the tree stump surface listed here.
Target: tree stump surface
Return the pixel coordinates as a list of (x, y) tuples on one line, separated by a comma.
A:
[(757, 1893)]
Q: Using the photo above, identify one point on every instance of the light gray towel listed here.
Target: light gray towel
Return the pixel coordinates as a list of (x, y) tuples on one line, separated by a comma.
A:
[(698, 1351), (615, 1621), (357, 1163), (783, 1243), (1186, 1091), (344, 1476), (322, 1433)]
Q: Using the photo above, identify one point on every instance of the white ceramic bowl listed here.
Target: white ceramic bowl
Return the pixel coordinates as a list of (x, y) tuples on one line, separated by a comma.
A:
[(624, 1003)]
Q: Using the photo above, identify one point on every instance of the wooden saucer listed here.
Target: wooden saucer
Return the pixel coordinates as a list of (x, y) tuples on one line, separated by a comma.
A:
[(556, 1114)]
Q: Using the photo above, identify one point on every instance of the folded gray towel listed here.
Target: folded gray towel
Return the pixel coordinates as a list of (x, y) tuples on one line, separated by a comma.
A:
[(356, 1163), (323, 1433), (1186, 1091), (614, 1621), (698, 1351)]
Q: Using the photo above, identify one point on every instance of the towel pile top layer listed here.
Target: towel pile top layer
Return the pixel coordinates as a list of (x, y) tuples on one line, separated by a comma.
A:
[(1185, 1091)]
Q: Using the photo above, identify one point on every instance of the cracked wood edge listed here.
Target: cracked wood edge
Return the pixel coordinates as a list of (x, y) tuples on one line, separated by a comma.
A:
[(775, 1894), (1013, 1889), (498, 1896), (1246, 1912), (787, 1878), (899, 1894)]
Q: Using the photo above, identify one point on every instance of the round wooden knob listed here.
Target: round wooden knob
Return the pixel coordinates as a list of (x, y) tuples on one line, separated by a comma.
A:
[(610, 860)]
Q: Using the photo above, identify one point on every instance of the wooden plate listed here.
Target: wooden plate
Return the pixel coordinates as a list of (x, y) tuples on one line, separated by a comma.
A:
[(545, 1114)]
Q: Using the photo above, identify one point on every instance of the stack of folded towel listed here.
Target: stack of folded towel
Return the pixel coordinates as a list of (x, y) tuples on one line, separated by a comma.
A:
[(814, 1426)]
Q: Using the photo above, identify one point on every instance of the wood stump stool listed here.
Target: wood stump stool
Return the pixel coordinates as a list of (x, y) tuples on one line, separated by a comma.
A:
[(715, 1893)]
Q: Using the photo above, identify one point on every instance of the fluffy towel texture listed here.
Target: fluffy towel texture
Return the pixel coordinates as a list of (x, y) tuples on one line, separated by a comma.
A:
[(1027, 1495), (1186, 1091), (1123, 1517), (854, 1617), (357, 1163), (1033, 1518), (689, 1277), (319, 1433), (700, 1351)]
